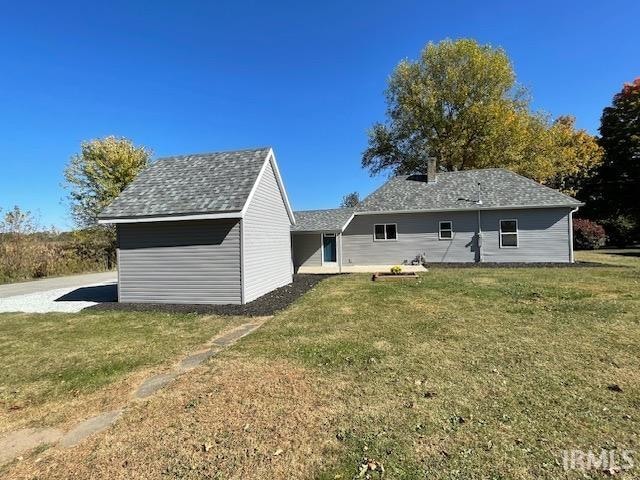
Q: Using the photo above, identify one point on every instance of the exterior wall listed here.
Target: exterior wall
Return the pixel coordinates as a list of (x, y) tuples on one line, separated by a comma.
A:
[(543, 235), (179, 262), (266, 240), (417, 234), (307, 250)]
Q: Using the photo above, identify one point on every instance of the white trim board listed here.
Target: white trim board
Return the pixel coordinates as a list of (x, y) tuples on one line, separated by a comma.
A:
[(270, 159), (445, 210), (171, 218)]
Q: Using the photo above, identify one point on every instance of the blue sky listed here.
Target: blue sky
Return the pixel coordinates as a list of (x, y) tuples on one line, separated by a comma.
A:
[(306, 78)]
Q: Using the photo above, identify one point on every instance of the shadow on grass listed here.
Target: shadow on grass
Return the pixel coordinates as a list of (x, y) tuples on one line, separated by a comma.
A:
[(97, 293), (625, 253)]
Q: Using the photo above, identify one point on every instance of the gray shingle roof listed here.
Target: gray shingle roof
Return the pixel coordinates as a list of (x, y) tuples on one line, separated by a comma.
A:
[(459, 190), (315, 220), (190, 184)]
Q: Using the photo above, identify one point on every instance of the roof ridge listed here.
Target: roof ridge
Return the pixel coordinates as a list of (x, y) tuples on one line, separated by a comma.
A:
[(323, 209), (203, 154)]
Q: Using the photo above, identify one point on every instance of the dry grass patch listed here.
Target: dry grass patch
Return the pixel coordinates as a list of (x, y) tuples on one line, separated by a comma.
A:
[(238, 419), (58, 368)]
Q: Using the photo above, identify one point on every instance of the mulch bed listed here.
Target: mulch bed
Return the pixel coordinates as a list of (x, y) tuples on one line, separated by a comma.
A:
[(268, 304), (517, 265)]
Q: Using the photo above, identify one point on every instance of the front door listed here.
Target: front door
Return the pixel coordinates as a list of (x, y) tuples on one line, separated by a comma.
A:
[(329, 250)]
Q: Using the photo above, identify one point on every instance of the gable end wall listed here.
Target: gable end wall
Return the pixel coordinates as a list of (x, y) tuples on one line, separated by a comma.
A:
[(266, 240)]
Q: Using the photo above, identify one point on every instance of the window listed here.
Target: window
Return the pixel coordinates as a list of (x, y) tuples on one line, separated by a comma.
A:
[(508, 233), (446, 230), (385, 231)]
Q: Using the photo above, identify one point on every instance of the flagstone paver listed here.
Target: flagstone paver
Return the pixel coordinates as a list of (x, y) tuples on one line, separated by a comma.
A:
[(20, 441)]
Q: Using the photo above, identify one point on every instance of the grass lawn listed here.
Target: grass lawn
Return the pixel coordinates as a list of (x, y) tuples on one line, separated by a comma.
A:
[(471, 373), (52, 362)]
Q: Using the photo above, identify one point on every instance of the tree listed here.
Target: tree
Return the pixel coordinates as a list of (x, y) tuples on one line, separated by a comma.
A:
[(576, 156), (460, 103), (612, 196), (17, 227), (350, 200), (97, 175), (17, 222)]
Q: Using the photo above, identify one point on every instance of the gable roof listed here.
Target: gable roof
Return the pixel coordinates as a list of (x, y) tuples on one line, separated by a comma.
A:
[(206, 185), (499, 188), (325, 220)]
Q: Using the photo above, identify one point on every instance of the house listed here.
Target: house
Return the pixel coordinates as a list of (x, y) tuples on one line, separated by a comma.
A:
[(212, 228), (488, 215), (217, 228)]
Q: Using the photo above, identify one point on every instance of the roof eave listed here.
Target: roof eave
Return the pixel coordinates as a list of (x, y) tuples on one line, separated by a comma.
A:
[(469, 209), (169, 218)]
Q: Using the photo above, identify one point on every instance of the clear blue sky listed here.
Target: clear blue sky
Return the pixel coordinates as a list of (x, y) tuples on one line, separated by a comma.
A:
[(305, 77)]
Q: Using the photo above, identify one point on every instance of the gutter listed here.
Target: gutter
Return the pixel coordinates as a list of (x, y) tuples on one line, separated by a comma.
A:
[(571, 255)]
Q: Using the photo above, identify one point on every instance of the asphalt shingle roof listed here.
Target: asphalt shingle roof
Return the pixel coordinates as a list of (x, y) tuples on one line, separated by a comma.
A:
[(500, 188), (314, 220), (190, 184)]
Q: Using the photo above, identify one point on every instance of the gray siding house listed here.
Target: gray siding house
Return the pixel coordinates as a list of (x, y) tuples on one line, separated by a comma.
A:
[(210, 228), (217, 228), (489, 215)]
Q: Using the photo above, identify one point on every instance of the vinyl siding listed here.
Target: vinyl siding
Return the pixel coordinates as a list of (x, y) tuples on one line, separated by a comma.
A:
[(543, 235), (180, 262), (306, 250), (266, 231), (417, 233)]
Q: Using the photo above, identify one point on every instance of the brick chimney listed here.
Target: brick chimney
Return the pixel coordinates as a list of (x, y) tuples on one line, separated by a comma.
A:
[(432, 170)]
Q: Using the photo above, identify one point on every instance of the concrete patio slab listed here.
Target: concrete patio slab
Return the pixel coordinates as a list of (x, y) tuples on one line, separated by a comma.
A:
[(359, 269)]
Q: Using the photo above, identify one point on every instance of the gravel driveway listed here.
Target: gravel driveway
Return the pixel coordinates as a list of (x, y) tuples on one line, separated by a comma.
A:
[(61, 294)]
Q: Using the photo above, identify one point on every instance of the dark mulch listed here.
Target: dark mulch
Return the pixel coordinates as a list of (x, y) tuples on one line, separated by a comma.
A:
[(518, 265), (268, 304)]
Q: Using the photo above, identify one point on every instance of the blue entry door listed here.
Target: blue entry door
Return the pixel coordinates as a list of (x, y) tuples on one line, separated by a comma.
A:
[(329, 250)]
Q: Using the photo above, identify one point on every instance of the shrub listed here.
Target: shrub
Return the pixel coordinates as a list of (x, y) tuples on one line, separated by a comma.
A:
[(588, 235), (622, 230), (396, 270)]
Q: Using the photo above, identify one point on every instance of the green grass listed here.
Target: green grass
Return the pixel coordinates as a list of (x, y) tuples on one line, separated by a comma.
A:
[(50, 358), (470, 373)]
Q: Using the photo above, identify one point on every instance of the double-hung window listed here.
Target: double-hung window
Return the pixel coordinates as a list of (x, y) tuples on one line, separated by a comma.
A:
[(508, 233), (385, 231), (445, 230)]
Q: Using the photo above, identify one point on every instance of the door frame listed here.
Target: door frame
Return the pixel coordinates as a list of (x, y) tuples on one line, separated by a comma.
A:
[(335, 237)]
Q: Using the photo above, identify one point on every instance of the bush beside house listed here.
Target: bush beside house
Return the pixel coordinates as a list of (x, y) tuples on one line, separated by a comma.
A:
[(588, 235)]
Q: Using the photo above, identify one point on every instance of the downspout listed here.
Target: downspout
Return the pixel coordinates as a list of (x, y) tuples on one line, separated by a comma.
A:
[(479, 203), (242, 272), (340, 252), (480, 259), (118, 261), (571, 256)]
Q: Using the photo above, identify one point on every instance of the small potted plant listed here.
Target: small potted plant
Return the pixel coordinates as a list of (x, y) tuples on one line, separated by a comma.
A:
[(394, 273)]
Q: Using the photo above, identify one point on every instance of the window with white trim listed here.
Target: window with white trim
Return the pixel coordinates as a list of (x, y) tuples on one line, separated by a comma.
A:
[(385, 231), (509, 233), (445, 230)]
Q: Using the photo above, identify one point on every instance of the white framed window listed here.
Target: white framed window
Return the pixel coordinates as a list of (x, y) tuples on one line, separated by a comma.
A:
[(509, 233), (384, 232), (445, 230)]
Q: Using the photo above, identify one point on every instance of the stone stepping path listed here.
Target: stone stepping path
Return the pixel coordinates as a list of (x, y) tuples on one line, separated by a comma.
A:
[(20, 441)]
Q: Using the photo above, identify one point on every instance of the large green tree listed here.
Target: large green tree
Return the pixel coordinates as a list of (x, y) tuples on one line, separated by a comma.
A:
[(612, 195), (97, 175), (459, 102)]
